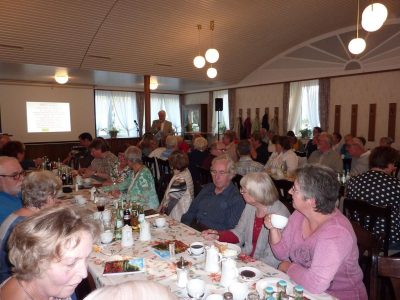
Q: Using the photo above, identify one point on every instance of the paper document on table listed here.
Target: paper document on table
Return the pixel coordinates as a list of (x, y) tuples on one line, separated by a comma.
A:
[(121, 267)]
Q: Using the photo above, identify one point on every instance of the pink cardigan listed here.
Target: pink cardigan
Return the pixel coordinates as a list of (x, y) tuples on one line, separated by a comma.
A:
[(327, 260)]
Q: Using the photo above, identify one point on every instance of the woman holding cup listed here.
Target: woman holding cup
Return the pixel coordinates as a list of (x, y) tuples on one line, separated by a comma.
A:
[(318, 247), (261, 198)]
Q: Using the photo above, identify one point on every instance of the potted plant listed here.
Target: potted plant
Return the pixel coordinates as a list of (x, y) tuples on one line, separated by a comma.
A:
[(305, 133), (113, 132)]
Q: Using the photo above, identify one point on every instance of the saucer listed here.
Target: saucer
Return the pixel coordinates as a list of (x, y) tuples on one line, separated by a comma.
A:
[(194, 255), (156, 227), (254, 274)]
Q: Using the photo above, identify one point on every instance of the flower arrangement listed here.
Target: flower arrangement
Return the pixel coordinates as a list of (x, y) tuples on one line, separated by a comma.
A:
[(305, 133)]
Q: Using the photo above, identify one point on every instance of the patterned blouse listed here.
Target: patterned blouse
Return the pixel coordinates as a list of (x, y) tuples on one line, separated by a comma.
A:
[(378, 188), (105, 164)]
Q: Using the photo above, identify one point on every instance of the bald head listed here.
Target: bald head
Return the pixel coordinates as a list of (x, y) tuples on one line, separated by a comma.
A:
[(11, 180)]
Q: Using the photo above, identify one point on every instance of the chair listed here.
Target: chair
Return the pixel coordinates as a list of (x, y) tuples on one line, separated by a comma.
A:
[(367, 215), (165, 177), (205, 175), (150, 163), (283, 187), (384, 267)]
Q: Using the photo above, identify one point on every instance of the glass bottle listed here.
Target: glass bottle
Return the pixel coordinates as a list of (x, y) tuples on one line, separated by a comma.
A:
[(281, 290), (127, 215), (269, 292), (298, 292)]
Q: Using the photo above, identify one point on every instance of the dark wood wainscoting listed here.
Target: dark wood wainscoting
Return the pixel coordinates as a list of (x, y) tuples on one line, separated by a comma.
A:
[(60, 150)]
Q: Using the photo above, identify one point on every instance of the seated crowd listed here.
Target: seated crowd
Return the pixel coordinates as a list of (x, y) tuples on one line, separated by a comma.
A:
[(317, 249)]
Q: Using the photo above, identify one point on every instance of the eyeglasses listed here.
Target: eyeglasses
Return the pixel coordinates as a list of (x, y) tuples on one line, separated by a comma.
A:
[(15, 176), (222, 173), (294, 190)]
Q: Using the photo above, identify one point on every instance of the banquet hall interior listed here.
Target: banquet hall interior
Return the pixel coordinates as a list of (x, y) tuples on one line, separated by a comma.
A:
[(109, 67)]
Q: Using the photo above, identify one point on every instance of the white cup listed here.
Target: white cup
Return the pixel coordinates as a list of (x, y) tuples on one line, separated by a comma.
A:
[(160, 222), (106, 237), (215, 297), (196, 248), (239, 290), (279, 221), (196, 288)]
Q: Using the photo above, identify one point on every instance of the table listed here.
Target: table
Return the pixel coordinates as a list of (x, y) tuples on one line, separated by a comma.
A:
[(164, 270)]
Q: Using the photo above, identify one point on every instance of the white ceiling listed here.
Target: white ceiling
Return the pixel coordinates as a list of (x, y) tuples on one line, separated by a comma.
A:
[(107, 42)]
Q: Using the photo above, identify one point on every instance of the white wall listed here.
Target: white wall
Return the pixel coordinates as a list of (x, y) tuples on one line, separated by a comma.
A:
[(13, 110), (380, 88), (260, 97)]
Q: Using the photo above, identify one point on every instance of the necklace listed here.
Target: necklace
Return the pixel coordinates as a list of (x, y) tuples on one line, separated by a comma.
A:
[(25, 291)]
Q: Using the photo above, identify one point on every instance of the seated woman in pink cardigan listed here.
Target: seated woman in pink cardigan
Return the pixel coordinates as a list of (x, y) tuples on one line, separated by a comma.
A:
[(318, 247)]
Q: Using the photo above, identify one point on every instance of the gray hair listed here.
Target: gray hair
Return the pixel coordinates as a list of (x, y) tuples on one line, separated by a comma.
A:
[(133, 154), (230, 166), (38, 186), (138, 289), (320, 183), (200, 143), (329, 137), (260, 186)]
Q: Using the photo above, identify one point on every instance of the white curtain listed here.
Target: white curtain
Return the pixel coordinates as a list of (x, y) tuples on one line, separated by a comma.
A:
[(169, 103), (223, 115), (303, 105), (115, 109)]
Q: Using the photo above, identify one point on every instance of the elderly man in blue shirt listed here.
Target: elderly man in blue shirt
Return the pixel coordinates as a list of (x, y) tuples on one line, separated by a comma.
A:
[(219, 204), (11, 176)]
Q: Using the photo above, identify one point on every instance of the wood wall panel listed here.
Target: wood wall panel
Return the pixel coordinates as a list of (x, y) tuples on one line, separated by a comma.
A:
[(60, 150), (372, 122), (336, 126), (392, 120), (353, 126)]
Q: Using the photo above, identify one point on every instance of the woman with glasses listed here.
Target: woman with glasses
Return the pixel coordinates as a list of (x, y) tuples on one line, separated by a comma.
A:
[(39, 190), (261, 198), (318, 246)]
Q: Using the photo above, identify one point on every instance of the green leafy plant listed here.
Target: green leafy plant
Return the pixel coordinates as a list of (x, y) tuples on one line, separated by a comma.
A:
[(305, 133)]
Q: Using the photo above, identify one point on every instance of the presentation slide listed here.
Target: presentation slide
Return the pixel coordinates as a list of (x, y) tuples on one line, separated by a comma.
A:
[(48, 117)]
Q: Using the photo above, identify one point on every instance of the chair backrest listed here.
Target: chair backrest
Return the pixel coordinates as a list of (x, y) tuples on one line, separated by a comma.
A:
[(385, 267), (283, 187), (150, 163), (204, 175), (165, 177), (163, 166), (367, 215)]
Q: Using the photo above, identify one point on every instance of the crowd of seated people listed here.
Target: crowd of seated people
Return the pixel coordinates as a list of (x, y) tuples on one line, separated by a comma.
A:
[(220, 210)]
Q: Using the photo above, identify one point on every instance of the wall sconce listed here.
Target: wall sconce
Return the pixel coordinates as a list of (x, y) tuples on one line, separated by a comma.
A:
[(153, 83), (61, 77)]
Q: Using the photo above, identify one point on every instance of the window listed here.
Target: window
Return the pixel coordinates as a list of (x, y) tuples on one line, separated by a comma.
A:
[(117, 110), (303, 105), (223, 115), (169, 103)]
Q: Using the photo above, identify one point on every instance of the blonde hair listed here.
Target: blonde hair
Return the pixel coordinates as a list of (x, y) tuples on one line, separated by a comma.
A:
[(260, 186), (45, 237), (38, 186), (200, 143), (139, 289)]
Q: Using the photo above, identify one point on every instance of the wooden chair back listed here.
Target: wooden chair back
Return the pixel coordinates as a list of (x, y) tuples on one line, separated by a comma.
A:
[(283, 187), (383, 266), (367, 215)]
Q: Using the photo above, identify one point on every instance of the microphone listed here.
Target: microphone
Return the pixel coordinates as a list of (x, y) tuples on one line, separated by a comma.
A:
[(134, 121)]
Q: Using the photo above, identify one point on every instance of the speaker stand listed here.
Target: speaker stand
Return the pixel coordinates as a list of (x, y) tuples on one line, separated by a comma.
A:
[(218, 125)]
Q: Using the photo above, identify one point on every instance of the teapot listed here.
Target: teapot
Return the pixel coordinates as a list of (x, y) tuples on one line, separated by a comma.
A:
[(229, 272), (213, 259)]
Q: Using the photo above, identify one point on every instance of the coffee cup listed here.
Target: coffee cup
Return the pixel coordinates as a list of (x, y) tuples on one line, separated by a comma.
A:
[(196, 288), (106, 237), (239, 290), (80, 200), (196, 248), (160, 222), (279, 221)]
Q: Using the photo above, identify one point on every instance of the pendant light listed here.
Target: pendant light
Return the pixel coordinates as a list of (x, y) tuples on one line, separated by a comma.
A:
[(373, 16), (199, 61), (212, 54), (357, 45)]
